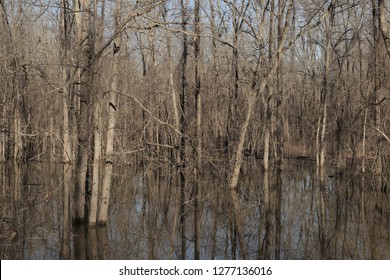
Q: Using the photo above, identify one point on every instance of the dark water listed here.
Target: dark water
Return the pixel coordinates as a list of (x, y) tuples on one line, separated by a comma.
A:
[(347, 218)]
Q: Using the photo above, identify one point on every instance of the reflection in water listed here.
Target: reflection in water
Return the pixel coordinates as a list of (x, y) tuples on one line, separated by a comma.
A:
[(289, 215), (238, 228), (66, 224)]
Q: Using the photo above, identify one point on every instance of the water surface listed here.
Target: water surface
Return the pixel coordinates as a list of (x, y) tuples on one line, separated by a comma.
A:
[(298, 218)]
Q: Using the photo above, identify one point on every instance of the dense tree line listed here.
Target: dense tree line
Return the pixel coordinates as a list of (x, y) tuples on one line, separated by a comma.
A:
[(182, 85)]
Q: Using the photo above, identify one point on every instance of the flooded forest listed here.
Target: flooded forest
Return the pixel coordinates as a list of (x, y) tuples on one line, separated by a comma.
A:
[(189, 129)]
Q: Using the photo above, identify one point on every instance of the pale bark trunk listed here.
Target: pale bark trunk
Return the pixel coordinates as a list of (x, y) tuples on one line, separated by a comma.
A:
[(86, 47), (322, 119), (172, 87), (97, 118), (67, 149), (322, 140), (240, 146), (364, 142), (112, 114), (97, 124), (269, 115), (175, 140), (321, 144), (18, 147)]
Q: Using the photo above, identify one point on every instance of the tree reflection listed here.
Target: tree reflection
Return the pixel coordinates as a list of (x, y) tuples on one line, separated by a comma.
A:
[(291, 215)]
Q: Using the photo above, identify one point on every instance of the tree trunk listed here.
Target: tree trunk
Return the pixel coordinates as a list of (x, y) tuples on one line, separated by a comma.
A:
[(183, 128), (238, 227), (232, 121), (67, 150), (18, 141), (279, 134), (322, 118), (279, 94), (198, 152), (376, 57), (86, 81), (97, 122), (270, 91), (97, 147), (112, 113)]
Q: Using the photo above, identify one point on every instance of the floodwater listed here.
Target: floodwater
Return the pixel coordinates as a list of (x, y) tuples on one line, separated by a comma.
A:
[(296, 218)]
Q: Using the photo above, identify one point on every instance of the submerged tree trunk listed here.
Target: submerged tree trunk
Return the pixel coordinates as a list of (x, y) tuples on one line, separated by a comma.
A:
[(270, 92), (279, 134), (238, 224), (183, 128), (86, 81), (97, 146), (325, 91), (112, 113), (268, 216), (97, 119), (67, 149), (198, 152)]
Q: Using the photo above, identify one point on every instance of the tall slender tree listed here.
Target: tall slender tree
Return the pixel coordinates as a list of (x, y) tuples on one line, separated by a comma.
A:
[(112, 116), (183, 125), (67, 150), (198, 147), (86, 64)]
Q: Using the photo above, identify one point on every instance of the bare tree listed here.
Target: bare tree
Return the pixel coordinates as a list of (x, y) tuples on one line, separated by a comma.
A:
[(183, 126), (324, 95), (86, 62), (112, 113), (198, 108), (67, 150)]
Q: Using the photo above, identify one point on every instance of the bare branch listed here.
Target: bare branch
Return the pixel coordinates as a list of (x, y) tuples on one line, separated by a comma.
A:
[(151, 114)]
